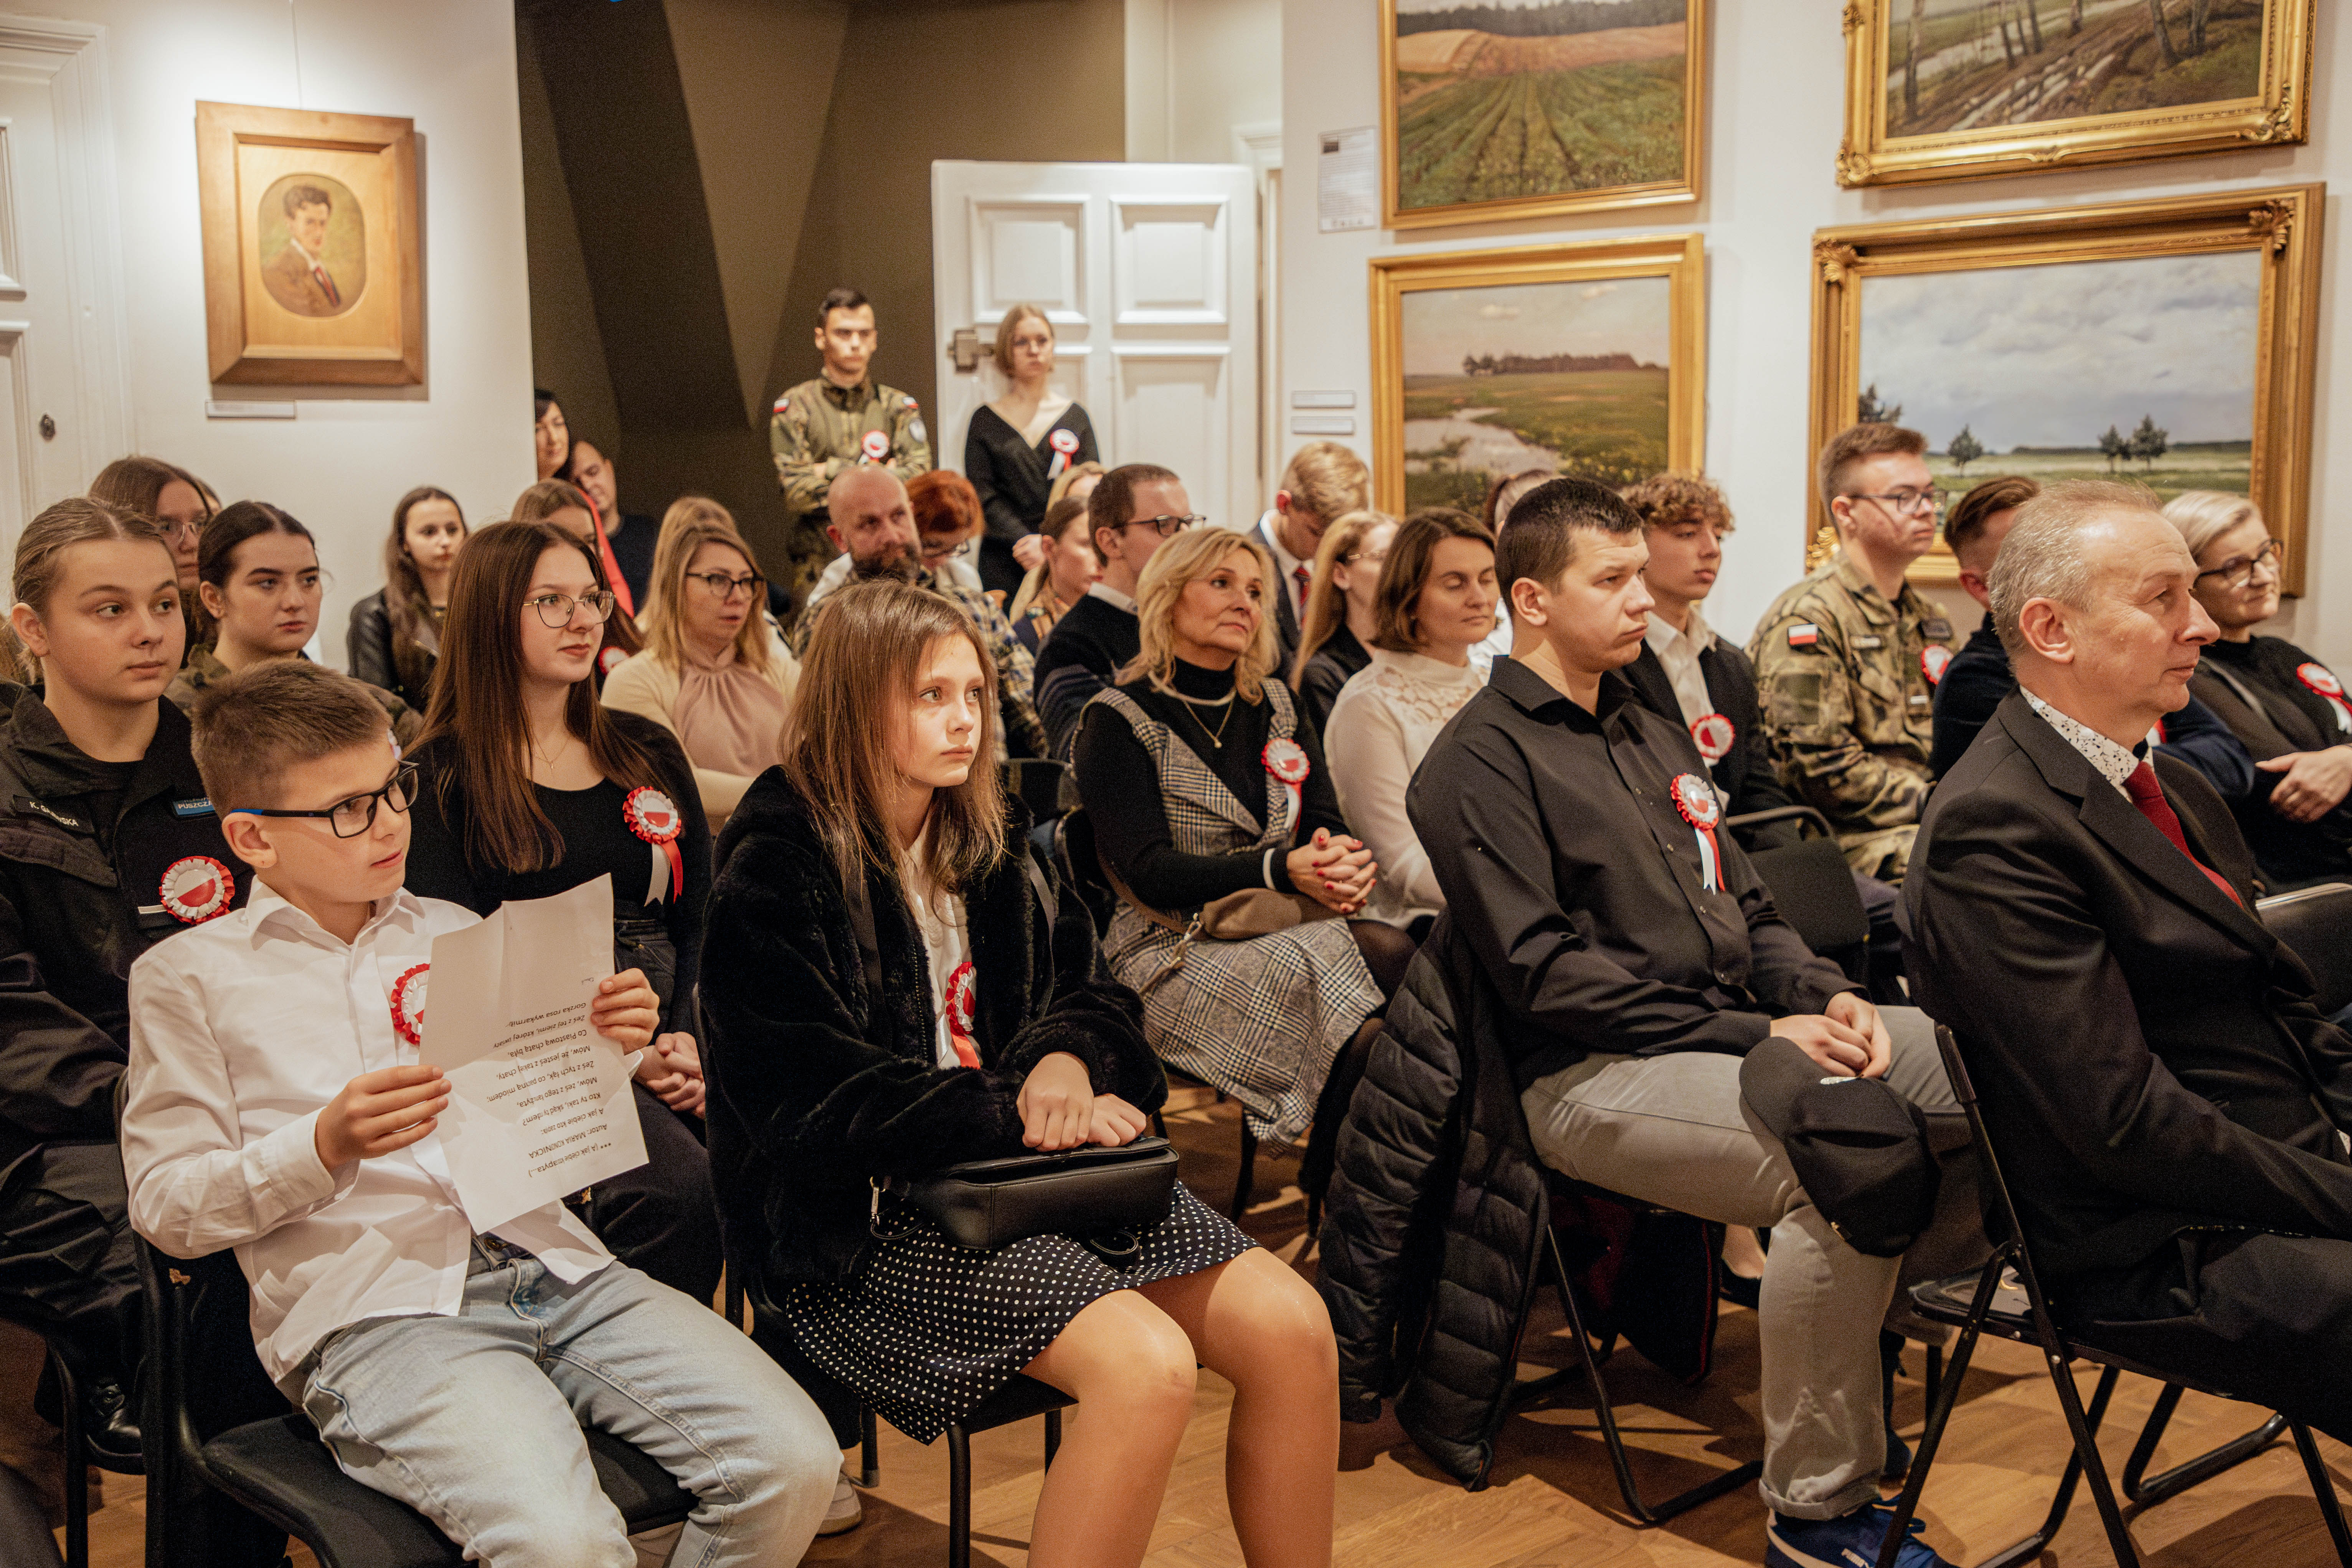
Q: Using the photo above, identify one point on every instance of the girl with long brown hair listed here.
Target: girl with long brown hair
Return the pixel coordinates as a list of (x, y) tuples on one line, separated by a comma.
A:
[(395, 632), (988, 1034), (1335, 639), (566, 505), (531, 788), (713, 671), (178, 503)]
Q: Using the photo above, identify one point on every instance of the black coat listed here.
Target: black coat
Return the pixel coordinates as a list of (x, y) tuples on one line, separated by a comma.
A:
[(368, 646), (75, 916), (1743, 774), (2148, 1055), (816, 1085), (1436, 1213)]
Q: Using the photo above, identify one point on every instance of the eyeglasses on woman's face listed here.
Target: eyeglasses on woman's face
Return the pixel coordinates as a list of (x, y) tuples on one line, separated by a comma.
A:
[(555, 609), (722, 587), (350, 818), (2239, 573)]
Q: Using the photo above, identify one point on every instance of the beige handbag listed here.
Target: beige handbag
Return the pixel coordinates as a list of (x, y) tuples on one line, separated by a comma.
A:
[(1236, 917)]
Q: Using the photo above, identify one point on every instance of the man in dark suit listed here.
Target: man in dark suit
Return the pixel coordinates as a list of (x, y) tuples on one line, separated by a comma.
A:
[(1322, 482), (2166, 1099)]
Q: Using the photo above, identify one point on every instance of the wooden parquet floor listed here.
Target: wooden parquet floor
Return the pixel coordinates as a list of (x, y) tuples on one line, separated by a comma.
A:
[(1552, 1500)]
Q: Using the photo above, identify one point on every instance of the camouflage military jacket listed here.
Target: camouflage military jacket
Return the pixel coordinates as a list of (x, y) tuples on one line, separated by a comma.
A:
[(818, 430), (1023, 733), (1848, 690)]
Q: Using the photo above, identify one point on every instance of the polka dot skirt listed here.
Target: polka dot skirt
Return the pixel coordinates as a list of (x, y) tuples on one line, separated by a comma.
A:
[(926, 1329)]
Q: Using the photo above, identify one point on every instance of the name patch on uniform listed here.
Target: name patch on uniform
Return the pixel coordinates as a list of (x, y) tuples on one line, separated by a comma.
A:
[(1936, 630), (200, 807), (1804, 634), (26, 803), (1869, 642)]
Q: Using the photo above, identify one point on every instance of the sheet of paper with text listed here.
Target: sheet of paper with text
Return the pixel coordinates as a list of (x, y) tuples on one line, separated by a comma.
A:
[(539, 1102)]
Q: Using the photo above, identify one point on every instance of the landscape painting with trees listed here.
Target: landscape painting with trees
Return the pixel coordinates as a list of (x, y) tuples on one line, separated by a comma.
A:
[(2142, 367), (1520, 107), (1955, 89)]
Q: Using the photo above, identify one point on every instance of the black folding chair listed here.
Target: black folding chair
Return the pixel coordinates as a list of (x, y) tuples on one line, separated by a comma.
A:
[(279, 1469), (1589, 1365), (2007, 1299), (64, 1370), (2316, 922), (1810, 883)]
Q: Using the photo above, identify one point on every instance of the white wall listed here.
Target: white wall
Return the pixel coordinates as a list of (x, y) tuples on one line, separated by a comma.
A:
[(340, 464), (1774, 115), (1196, 71)]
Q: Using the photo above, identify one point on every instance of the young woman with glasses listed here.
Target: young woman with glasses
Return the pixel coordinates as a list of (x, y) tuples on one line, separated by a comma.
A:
[(1335, 640), (2290, 711), (532, 788), (178, 502), (713, 672), (258, 570)]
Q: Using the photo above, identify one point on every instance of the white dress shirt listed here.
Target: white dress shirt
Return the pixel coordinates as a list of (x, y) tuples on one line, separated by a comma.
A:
[(1380, 727), (2115, 763), (1111, 596), (242, 1029), (1678, 651)]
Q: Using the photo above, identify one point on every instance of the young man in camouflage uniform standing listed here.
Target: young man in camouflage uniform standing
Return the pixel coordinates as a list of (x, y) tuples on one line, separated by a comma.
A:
[(839, 420), (1847, 660)]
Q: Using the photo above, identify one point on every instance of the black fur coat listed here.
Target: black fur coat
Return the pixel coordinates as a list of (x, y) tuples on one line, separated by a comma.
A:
[(816, 1085)]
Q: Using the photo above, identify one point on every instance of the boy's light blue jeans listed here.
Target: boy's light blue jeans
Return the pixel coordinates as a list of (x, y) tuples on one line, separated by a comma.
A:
[(475, 1420)]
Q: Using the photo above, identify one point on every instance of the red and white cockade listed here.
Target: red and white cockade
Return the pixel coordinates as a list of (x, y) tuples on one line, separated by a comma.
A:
[(2322, 679), (196, 887), (963, 986), (1695, 798), (1065, 447), (1934, 659), (1285, 758), (408, 1003), (655, 818), (1713, 733)]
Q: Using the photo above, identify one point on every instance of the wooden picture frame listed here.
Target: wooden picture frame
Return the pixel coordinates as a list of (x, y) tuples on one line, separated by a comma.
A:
[(2101, 84), (1610, 72), (1588, 313), (2225, 284), (347, 310)]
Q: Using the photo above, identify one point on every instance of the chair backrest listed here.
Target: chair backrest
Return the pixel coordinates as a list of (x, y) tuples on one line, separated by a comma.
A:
[(1079, 866), (1813, 887), (1037, 782), (2316, 922)]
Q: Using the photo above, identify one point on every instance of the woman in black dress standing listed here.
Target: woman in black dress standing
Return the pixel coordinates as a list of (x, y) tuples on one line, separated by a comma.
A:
[(531, 788), (987, 1033), (1019, 444)]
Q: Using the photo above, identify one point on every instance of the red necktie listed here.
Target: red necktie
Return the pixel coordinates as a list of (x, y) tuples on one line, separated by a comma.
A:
[(2148, 796), (1304, 578), (334, 296)]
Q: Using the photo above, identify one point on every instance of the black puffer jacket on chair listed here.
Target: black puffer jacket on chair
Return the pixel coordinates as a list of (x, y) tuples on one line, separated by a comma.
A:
[(1436, 1215)]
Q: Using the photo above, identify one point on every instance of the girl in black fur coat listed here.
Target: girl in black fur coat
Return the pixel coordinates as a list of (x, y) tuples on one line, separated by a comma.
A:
[(992, 1033)]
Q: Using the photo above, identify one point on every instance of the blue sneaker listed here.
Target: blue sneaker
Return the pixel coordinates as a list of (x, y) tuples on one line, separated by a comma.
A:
[(1852, 1542)]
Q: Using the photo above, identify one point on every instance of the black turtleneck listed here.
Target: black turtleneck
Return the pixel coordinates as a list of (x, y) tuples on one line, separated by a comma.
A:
[(1117, 781)]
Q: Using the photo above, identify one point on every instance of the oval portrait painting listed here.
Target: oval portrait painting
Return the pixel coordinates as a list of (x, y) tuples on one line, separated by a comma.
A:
[(313, 241)]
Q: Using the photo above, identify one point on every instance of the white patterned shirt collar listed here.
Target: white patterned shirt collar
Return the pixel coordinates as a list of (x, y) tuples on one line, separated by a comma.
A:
[(2115, 764)]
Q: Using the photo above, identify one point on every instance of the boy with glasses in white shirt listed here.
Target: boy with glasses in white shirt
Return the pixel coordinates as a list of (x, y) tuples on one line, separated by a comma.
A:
[(277, 1106)]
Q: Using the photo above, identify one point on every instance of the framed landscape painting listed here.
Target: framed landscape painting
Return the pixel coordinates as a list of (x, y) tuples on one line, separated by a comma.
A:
[(2172, 342), (1524, 108), (1586, 358), (1954, 89)]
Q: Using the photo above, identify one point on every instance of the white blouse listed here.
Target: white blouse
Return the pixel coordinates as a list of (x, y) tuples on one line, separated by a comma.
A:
[(940, 916), (1380, 727)]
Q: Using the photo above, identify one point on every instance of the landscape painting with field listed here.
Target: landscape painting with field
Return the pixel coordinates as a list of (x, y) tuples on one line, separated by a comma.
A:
[(1970, 65), (2142, 367), (1520, 100), (1501, 379)]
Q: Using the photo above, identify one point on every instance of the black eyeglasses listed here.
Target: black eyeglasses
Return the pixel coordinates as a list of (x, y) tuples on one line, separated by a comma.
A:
[(555, 609), (1902, 501), (1168, 526), (2238, 574), (352, 817), (723, 587)]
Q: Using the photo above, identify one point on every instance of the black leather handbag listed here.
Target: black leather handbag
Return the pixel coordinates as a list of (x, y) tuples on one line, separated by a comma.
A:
[(1093, 1194)]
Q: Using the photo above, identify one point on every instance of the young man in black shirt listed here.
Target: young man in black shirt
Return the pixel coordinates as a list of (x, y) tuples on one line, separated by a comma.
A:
[(1571, 828)]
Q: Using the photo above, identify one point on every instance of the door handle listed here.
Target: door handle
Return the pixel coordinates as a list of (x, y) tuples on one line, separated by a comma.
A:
[(963, 348)]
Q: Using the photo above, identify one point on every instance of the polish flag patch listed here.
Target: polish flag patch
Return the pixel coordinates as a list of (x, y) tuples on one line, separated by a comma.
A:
[(1805, 634)]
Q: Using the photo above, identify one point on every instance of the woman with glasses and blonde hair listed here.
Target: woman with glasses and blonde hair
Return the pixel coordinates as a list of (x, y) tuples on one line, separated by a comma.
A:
[(2290, 711), (1019, 446), (1201, 781), (713, 672), (1334, 641), (530, 788)]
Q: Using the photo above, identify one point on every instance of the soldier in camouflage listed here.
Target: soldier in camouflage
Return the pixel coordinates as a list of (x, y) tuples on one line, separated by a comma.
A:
[(839, 420), (1847, 660)]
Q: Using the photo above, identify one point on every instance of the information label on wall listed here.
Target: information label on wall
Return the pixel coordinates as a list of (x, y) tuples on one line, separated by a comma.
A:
[(1348, 180)]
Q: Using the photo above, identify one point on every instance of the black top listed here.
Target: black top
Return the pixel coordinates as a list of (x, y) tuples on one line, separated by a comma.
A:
[(1012, 477), (1131, 821), (1285, 596), (633, 536), (368, 645), (596, 840), (1341, 657), (2147, 1053), (84, 848), (1093, 641), (2284, 716), (1744, 774), (1569, 872)]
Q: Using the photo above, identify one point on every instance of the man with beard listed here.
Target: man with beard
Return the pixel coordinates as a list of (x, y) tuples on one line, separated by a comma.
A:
[(868, 516)]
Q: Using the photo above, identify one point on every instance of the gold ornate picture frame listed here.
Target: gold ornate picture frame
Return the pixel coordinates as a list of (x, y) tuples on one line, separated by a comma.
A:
[(1588, 357), (1572, 106), (2085, 314), (310, 242), (1959, 89)]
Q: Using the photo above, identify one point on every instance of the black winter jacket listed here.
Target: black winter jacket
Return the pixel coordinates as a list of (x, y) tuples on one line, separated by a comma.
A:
[(1436, 1215), (74, 917), (368, 643), (816, 1085)]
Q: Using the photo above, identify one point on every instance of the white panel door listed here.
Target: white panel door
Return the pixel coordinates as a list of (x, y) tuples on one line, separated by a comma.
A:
[(1149, 274)]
